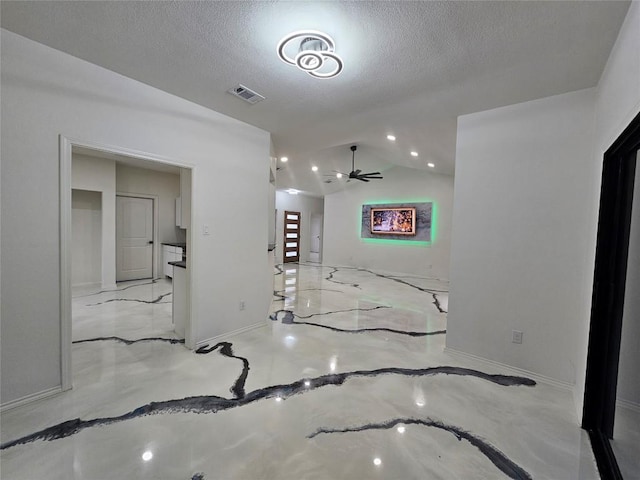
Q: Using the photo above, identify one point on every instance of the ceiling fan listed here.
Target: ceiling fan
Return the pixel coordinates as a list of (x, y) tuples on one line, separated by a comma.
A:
[(355, 174)]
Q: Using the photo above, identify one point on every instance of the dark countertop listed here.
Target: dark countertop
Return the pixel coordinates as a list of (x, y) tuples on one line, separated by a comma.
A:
[(175, 244), (182, 264)]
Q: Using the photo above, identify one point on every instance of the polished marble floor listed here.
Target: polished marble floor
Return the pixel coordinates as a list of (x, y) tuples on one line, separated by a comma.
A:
[(346, 379)]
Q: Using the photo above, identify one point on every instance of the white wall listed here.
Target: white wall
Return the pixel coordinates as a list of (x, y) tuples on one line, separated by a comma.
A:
[(617, 103), (304, 204), (343, 220), (166, 186), (628, 376), (524, 232), (45, 94), (86, 251), (99, 175), (541, 230)]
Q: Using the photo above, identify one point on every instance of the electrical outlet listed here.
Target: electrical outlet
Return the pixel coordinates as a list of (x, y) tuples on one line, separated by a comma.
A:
[(241, 305), (516, 336), (205, 230)]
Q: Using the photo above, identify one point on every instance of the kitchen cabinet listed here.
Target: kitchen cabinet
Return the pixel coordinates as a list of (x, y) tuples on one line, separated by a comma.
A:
[(170, 253), (179, 212), (183, 202)]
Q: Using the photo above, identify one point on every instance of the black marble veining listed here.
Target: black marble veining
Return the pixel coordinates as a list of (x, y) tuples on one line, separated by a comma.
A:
[(116, 289), (279, 268), (433, 292), (280, 296), (149, 302), (212, 403), (430, 291), (499, 459), (289, 318), (226, 350), (131, 342), (331, 279)]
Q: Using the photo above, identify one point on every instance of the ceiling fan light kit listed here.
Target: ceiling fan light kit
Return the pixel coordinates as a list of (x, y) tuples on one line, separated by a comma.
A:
[(355, 174)]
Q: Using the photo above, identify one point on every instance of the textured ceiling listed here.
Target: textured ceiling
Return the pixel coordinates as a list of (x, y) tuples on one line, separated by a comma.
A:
[(410, 67)]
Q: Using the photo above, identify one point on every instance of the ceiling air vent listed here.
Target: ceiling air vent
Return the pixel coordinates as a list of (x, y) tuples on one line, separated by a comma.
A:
[(246, 94)]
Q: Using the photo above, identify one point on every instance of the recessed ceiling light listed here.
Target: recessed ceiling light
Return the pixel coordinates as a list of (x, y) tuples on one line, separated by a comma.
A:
[(377, 461), (391, 137), (284, 159), (414, 154), (431, 165), (312, 52), (148, 455), (339, 175), (314, 168)]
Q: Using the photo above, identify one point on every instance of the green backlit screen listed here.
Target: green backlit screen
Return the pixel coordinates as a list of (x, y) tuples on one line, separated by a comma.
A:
[(427, 225)]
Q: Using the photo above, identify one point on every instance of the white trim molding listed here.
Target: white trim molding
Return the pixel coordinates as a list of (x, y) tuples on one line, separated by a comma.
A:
[(30, 398), (629, 405), (66, 379), (66, 145), (224, 336), (516, 371)]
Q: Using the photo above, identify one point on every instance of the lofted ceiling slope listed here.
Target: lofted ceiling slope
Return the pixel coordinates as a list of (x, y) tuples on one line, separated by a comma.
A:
[(410, 67)]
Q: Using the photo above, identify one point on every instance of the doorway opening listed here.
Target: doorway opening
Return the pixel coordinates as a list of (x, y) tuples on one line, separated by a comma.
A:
[(315, 248), (136, 236), (117, 207), (612, 385)]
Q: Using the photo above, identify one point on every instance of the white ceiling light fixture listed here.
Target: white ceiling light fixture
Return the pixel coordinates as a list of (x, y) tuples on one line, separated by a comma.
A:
[(293, 191), (431, 165), (284, 159), (339, 175), (391, 137), (312, 52), (314, 168), (414, 154)]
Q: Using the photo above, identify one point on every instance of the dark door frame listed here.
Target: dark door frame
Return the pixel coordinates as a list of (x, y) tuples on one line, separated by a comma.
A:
[(614, 222)]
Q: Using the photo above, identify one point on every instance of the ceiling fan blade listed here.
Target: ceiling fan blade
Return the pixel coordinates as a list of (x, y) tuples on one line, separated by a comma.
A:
[(362, 179), (357, 172), (378, 178), (370, 173)]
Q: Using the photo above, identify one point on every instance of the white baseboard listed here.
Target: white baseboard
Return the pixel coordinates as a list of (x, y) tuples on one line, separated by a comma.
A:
[(30, 398), (86, 285), (233, 333), (109, 286), (635, 407), (517, 371)]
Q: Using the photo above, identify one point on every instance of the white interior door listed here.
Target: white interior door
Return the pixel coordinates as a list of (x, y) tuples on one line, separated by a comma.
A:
[(134, 238), (316, 232)]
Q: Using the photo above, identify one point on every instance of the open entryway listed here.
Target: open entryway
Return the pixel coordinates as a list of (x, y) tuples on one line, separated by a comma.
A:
[(118, 208)]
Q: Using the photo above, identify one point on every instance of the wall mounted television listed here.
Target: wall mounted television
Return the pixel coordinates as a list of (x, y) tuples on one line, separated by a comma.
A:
[(393, 221)]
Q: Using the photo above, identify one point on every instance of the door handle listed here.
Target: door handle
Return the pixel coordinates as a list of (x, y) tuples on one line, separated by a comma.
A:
[(150, 242)]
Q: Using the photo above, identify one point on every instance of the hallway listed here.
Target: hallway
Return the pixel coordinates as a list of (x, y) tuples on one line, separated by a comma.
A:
[(347, 379)]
